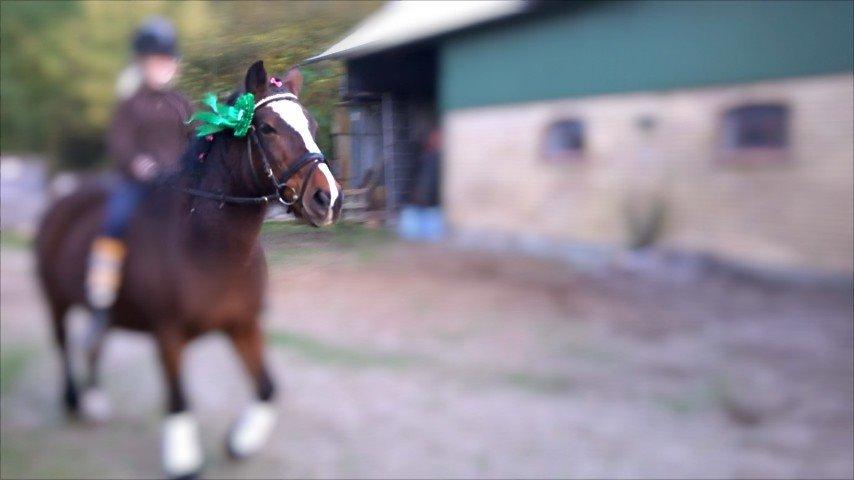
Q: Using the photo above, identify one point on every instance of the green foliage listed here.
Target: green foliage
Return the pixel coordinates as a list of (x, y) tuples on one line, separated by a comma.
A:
[(60, 62), (13, 240), (13, 362)]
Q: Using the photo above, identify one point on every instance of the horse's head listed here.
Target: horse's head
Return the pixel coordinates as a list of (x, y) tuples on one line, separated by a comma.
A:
[(285, 133)]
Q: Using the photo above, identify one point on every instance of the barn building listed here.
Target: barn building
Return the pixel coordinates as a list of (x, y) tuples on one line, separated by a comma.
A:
[(712, 127)]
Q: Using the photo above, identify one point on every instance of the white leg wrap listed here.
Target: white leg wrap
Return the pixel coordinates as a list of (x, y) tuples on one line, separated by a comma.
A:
[(252, 429), (95, 406), (182, 453)]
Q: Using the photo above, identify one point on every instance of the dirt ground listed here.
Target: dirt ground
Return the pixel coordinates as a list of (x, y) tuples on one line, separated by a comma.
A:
[(400, 360)]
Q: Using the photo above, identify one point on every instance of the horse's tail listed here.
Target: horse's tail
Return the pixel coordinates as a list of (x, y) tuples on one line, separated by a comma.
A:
[(56, 234)]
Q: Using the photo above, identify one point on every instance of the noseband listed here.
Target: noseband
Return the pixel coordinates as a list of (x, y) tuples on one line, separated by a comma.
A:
[(279, 185)]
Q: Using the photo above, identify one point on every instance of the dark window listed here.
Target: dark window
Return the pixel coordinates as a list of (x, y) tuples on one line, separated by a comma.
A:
[(756, 127), (564, 139)]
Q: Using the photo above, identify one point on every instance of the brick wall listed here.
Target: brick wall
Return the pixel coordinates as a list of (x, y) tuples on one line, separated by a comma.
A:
[(793, 214)]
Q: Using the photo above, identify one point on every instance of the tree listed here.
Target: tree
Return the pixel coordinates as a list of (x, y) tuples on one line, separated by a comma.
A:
[(60, 60)]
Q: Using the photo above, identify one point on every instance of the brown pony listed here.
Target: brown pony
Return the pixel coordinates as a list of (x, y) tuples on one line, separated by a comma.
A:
[(195, 263)]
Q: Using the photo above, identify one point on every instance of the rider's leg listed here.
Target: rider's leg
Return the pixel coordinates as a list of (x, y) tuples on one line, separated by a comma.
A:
[(108, 250), (102, 283)]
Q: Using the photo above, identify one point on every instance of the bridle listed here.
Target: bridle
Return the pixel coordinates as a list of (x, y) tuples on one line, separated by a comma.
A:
[(279, 185)]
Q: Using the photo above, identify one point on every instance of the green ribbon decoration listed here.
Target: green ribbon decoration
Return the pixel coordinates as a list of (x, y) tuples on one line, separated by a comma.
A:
[(237, 117)]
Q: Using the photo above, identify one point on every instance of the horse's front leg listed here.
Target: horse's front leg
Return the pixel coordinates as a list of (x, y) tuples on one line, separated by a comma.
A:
[(182, 453), (255, 425)]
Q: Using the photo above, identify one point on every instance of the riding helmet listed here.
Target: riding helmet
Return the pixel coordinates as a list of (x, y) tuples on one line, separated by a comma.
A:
[(156, 36)]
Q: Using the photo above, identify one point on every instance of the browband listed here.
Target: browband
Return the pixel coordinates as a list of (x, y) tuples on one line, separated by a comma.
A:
[(273, 98)]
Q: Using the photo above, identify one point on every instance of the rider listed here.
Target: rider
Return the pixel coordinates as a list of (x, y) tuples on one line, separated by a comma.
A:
[(146, 137)]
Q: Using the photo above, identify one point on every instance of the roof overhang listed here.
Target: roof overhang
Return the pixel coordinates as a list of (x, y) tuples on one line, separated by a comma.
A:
[(403, 22)]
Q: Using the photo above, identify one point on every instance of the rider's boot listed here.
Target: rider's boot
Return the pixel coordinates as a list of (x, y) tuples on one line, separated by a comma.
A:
[(105, 271), (103, 280)]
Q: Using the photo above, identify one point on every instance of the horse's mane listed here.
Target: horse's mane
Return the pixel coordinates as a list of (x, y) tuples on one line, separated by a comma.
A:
[(200, 147)]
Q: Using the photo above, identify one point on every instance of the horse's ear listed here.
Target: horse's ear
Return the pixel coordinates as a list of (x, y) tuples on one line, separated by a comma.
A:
[(256, 78), (293, 80)]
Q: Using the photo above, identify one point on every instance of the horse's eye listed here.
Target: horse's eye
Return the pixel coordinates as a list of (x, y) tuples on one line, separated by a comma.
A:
[(266, 128)]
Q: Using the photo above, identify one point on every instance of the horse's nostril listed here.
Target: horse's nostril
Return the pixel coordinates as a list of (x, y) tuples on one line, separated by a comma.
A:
[(322, 198)]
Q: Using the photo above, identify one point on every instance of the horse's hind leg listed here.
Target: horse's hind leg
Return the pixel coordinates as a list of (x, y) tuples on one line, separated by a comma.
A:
[(182, 453), (95, 404), (70, 397), (254, 426)]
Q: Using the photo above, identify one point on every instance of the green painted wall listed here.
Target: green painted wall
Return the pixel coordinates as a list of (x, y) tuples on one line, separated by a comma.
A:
[(619, 47)]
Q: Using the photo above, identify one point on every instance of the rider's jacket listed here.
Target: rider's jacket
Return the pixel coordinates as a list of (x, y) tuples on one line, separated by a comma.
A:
[(149, 122)]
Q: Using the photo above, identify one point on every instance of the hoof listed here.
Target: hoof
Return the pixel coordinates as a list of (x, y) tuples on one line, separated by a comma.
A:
[(95, 406), (182, 453), (187, 476), (229, 450), (251, 431)]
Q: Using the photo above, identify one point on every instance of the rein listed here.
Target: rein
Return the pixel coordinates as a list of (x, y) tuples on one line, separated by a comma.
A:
[(279, 185)]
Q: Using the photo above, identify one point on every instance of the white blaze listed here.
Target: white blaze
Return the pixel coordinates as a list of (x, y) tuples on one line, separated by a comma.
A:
[(292, 114), (333, 188)]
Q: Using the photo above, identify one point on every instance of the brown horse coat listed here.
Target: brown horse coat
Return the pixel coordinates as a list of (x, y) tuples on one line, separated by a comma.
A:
[(194, 265)]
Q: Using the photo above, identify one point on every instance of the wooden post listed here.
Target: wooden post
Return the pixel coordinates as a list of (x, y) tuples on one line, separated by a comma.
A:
[(387, 109)]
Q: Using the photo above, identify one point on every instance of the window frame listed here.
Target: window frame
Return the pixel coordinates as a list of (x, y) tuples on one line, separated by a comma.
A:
[(567, 156), (733, 153)]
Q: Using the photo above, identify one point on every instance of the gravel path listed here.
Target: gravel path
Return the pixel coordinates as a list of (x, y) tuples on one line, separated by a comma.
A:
[(405, 361)]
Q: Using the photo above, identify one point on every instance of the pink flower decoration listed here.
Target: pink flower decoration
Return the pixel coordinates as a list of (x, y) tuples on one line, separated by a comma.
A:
[(201, 156), (275, 81), (209, 138)]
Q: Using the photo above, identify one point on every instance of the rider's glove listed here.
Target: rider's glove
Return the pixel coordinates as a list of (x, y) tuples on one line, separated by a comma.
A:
[(143, 167)]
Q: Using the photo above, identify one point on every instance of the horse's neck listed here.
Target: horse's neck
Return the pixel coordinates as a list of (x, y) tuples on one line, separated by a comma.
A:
[(221, 233), (230, 232)]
